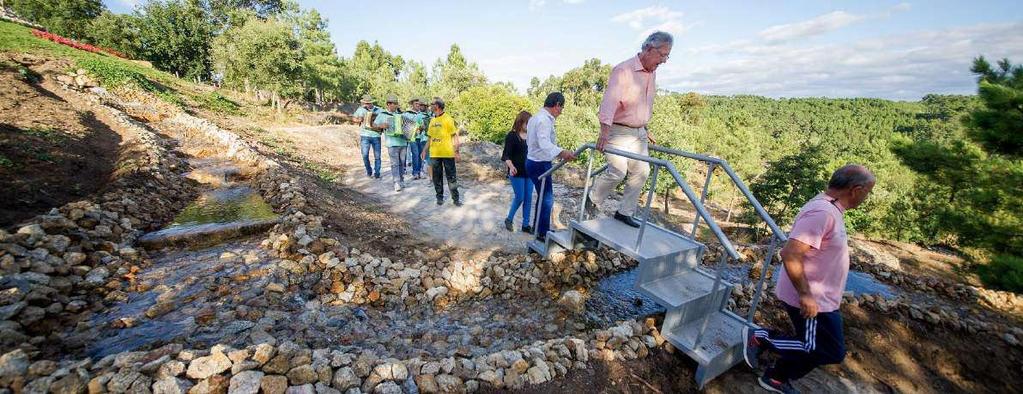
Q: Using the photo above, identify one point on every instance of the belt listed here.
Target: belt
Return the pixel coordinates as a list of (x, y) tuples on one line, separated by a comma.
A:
[(625, 125)]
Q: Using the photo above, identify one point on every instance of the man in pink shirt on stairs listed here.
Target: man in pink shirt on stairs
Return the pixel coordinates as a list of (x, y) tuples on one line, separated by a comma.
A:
[(624, 112), (811, 283)]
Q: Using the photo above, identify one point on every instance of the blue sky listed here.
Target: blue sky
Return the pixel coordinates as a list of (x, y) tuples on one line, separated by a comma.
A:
[(887, 49)]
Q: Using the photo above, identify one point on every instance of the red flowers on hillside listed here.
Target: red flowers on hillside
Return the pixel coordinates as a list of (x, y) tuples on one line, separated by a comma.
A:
[(75, 44)]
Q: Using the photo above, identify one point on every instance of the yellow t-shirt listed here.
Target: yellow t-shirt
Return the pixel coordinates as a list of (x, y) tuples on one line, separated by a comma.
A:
[(442, 132)]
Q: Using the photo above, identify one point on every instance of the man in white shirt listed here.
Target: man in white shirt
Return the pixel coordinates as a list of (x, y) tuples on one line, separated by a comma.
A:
[(542, 149)]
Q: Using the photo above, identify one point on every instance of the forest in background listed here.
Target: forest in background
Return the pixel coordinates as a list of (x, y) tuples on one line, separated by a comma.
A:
[(949, 167)]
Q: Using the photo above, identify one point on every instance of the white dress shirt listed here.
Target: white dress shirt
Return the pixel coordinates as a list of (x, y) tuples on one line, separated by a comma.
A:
[(540, 140)]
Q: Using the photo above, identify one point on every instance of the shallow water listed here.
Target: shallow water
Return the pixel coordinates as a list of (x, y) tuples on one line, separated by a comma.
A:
[(615, 298), (225, 205)]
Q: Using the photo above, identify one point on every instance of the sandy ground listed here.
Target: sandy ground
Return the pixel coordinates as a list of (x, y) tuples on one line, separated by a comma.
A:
[(477, 224)]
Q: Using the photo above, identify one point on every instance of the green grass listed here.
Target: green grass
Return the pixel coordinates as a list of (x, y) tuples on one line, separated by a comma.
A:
[(110, 71), (324, 173), (5, 162), (214, 101), (51, 135)]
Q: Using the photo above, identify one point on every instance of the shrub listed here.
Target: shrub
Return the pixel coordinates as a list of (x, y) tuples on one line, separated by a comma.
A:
[(1004, 272), (488, 111)]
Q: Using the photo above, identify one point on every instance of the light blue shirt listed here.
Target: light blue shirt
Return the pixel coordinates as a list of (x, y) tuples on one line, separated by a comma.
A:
[(359, 114)]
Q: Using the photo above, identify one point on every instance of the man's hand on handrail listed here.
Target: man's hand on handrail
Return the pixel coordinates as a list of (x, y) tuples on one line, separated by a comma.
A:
[(566, 155), (605, 132)]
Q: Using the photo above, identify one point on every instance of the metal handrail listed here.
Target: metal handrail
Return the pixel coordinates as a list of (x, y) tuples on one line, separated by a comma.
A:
[(735, 180), (700, 209), (778, 236)]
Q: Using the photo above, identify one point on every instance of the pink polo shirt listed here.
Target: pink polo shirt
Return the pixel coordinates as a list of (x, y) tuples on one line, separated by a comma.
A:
[(629, 96), (826, 266)]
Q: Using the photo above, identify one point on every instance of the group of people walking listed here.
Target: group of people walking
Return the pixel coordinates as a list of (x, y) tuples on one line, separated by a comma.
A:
[(816, 257), (423, 137)]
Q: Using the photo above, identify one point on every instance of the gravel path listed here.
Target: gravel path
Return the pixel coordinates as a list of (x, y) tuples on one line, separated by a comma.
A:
[(477, 225)]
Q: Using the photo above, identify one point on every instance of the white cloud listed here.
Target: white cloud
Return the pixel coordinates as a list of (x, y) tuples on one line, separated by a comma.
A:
[(536, 4), (905, 66), (824, 24), (816, 26), (653, 18), (901, 7)]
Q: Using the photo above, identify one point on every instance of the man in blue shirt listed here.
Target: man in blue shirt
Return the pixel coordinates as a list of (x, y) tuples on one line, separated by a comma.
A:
[(368, 136)]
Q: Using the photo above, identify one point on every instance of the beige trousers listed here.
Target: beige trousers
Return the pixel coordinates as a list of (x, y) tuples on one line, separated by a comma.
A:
[(634, 171)]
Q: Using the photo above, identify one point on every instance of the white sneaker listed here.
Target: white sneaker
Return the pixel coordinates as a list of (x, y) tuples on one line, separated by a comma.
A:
[(397, 187)]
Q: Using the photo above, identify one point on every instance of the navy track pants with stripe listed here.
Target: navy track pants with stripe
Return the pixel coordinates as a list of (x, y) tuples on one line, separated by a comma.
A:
[(818, 341)]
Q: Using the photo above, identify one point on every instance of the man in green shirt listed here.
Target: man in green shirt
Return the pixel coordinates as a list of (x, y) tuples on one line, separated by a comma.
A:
[(368, 137), (391, 122)]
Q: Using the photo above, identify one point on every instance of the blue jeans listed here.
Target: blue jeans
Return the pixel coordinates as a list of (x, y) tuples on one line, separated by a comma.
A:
[(545, 199), (397, 156), (415, 151), (365, 144), (523, 189)]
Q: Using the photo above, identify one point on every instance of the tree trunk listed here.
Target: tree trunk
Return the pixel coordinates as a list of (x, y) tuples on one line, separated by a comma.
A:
[(667, 195), (731, 203)]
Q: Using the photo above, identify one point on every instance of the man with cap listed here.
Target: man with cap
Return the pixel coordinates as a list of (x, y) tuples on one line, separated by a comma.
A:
[(417, 140), (391, 122), (368, 137)]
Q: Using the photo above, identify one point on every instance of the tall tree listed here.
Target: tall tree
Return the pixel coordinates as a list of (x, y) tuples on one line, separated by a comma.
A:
[(69, 18), (791, 181), (321, 67), (176, 36), (456, 74), (119, 32), (262, 55)]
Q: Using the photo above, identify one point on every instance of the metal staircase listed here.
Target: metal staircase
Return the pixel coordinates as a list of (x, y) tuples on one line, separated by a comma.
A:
[(697, 320)]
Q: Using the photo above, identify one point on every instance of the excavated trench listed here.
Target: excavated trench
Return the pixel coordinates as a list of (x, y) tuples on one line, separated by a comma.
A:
[(210, 283)]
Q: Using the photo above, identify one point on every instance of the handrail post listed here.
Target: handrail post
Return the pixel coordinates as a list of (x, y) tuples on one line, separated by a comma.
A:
[(649, 199), (763, 276), (586, 187), (703, 195), (713, 292)]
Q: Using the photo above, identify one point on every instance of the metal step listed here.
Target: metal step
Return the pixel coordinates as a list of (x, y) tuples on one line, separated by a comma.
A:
[(682, 288), (657, 241), (718, 350), (557, 241)]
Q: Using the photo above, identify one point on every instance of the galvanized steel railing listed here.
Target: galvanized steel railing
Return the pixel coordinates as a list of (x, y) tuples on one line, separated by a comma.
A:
[(698, 203)]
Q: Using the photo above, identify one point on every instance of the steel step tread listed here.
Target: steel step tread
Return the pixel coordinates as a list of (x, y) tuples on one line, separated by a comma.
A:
[(680, 288), (561, 237), (657, 241), (724, 333)]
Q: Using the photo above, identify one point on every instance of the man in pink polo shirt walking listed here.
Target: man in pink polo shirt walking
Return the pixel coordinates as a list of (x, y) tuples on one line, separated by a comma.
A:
[(624, 112), (816, 264)]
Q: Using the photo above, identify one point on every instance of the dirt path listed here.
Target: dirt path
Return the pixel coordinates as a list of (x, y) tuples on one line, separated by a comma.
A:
[(478, 224)]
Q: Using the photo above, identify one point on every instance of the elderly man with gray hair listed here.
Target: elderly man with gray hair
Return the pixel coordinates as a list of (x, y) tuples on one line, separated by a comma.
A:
[(624, 112), (815, 267)]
